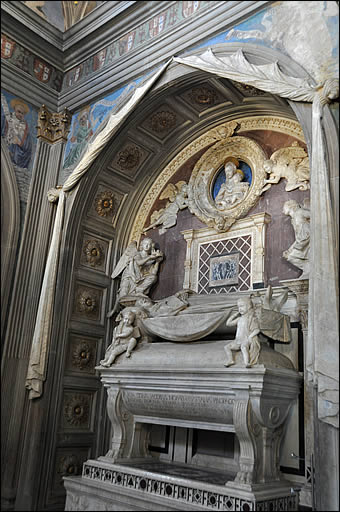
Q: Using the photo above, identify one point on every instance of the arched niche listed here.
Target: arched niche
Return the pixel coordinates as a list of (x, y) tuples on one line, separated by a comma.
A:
[(10, 228), (83, 222)]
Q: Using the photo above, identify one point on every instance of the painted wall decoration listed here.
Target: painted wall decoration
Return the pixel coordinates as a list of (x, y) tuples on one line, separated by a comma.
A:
[(86, 123), (30, 63), (165, 20), (286, 28), (18, 127)]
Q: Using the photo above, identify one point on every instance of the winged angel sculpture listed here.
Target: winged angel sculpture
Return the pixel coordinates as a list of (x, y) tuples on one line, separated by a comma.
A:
[(178, 200), (139, 268), (291, 163)]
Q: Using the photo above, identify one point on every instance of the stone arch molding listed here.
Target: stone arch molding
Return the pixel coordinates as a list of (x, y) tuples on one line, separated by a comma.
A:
[(10, 227), (295, 86)]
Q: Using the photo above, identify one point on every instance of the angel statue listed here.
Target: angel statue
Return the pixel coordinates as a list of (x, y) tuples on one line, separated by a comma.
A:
[(298, 252), (291, 163), (140, 270), (178, 200)]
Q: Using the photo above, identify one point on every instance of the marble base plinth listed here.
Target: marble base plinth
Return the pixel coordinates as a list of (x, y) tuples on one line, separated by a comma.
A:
[(154, 485)]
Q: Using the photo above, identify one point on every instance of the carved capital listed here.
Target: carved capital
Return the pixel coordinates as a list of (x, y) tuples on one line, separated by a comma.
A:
[(53, 126)]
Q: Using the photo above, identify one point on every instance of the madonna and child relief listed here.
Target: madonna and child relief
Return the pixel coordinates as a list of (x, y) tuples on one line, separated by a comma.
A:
[(234, 188)]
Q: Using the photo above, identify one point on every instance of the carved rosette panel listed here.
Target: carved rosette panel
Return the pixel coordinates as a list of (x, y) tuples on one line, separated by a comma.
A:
[(77, 410), (88, 303), (93, 253), (203, 96), (82, 355), (129, 159), (104, 204), (201, 202), (68, 463), (162, 122)]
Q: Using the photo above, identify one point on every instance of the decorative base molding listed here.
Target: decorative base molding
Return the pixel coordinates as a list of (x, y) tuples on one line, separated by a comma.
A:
[(106, 486)]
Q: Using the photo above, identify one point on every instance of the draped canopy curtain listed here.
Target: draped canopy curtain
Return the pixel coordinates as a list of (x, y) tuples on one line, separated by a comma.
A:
[(323, 279)]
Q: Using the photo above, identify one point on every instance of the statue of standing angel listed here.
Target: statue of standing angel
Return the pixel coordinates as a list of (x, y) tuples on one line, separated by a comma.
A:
[(291, 163), (139, 268), (178, 200), (298, 252)]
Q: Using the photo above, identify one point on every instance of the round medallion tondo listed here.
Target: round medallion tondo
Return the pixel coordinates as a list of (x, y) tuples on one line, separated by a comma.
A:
[(226, 182)]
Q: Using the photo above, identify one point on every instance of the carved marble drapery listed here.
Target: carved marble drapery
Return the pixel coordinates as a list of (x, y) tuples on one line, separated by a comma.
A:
[(323, 362)]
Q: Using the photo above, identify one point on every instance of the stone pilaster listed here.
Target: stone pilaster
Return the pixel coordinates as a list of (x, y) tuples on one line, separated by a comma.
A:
[(300, 288), (52, 135)]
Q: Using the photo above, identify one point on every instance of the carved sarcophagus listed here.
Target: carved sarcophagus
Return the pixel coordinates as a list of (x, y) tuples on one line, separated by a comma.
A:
[(187, 385)]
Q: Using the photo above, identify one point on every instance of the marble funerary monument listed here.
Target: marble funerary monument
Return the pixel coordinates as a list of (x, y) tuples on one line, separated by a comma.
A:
[(191, 361)]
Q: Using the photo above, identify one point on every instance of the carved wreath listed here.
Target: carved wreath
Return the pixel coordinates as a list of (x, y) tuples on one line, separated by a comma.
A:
[(201, 202)]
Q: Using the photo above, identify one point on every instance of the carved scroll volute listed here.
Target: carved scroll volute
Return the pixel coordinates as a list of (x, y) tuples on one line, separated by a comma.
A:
[(259, 427), (118, 420), (267, 422), (241, 415)]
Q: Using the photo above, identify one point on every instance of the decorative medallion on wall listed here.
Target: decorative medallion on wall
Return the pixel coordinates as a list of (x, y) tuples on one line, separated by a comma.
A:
[(82, 355), (88, 303), (203, 96), (69, 462), (105, 204), (93, 254), (162, 122), (129, 158), (226, 182), (76, 410)]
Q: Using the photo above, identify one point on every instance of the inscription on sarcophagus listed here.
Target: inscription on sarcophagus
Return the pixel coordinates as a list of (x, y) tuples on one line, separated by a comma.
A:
[(186, 406)]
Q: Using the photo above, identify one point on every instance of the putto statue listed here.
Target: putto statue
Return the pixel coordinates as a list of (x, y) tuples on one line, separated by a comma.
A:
[(247, 332), (233, 190), (124, 338), (298, 252), (140, 270), (178, 200), (291, 163)]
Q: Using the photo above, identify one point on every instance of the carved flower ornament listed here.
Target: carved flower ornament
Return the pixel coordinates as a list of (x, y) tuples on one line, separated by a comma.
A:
[(104, 203), (87, 302), (82, 355), (94, 252)]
